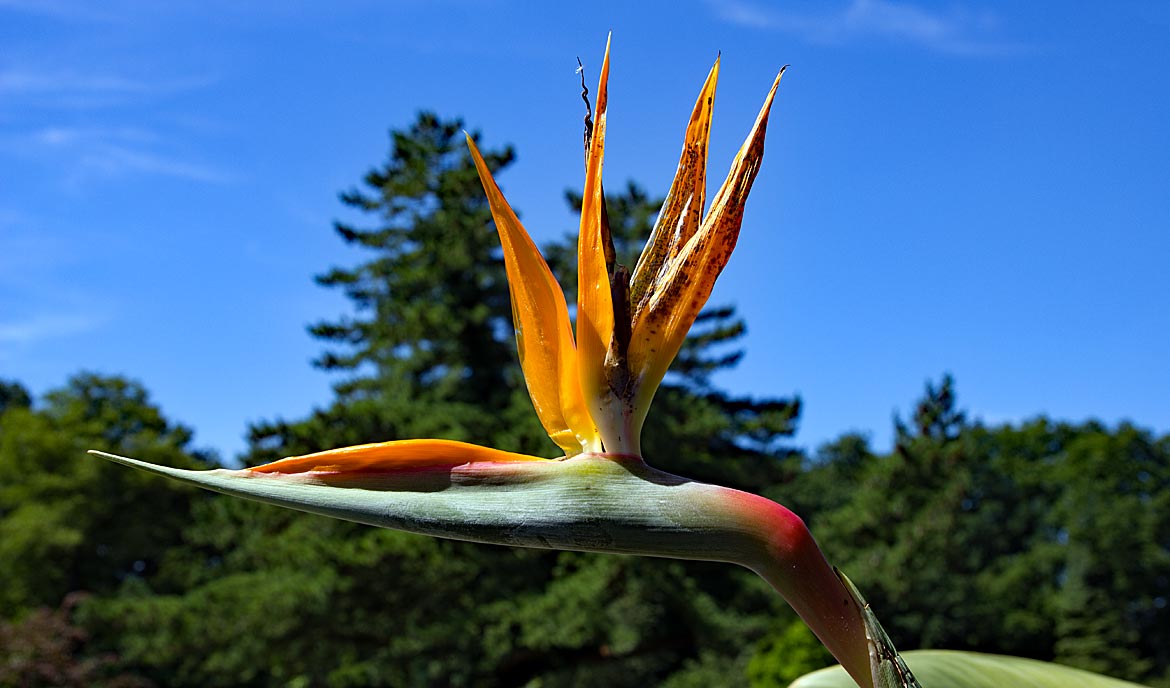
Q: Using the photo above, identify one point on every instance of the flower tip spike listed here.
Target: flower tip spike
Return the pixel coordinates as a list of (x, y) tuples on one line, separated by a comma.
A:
[(682, 211), (135, 463), (679, 289), (595, 316)]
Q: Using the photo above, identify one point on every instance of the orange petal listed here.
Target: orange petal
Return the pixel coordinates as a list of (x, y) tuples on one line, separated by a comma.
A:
[(682, 212), (594, 301), (684, 283), (400, 455), (544, 334)]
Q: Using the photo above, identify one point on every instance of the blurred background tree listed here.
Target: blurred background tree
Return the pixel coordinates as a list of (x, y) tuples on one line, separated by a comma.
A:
[(1047, 540), (71, 527)]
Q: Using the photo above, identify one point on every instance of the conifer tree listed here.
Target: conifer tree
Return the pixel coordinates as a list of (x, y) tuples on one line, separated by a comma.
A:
[(432, 301)]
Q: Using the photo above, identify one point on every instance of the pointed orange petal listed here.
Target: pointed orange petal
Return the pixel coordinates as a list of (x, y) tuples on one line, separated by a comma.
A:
[(685, 281), (594, 301), (544, 334), (682, 212), (400, 455)]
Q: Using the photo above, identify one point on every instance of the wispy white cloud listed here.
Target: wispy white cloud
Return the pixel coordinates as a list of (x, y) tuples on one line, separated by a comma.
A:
[(61, 136), (98, 148), (42, 327), (69, 88), (23, 81), (88, 153), (109, 160), (957, 31)]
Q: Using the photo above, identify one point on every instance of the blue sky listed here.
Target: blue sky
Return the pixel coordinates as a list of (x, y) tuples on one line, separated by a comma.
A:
[(980, 188)]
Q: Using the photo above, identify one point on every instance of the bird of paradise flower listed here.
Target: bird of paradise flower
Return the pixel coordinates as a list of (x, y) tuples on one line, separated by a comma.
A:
[(591, 393)]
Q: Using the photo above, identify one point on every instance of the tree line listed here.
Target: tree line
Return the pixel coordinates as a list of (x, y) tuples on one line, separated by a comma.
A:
[(1042, 539)]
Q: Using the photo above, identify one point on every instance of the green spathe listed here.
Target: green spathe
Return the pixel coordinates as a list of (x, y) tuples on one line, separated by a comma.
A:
[(585, 503), (589, 502)]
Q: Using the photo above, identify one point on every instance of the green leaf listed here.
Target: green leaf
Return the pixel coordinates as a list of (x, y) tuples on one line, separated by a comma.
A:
[(950, 669)]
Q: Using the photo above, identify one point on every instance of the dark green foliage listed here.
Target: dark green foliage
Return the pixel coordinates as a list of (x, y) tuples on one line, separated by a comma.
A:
[(1047, 540), (266, 597), (13, 395), (1114, 518), (787, 653), (69, 522)]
